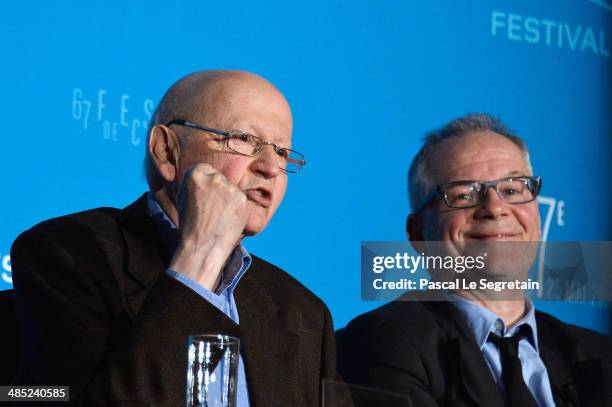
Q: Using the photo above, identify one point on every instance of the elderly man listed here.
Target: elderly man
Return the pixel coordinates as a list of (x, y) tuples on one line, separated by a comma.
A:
[(472, 182), (107, 298)]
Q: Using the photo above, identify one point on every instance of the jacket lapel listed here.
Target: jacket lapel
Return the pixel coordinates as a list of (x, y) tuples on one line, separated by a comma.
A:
[(473, 373), (143, 261), (590, 382), (270, 352), (575, 378)]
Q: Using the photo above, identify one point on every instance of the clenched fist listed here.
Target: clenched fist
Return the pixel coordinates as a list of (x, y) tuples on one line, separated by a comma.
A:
[(212, 216)]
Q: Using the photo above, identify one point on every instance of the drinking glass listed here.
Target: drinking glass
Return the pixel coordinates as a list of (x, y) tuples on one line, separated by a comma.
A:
[(212, 370)]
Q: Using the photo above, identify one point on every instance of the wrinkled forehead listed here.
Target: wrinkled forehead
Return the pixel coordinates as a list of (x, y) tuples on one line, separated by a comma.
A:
[(478, 156)]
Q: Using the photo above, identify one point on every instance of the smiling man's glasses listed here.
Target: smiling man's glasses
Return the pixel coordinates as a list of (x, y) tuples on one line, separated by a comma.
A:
[(468, 194)]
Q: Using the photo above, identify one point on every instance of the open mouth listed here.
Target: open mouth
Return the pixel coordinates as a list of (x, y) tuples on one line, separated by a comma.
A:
[(260, 196)]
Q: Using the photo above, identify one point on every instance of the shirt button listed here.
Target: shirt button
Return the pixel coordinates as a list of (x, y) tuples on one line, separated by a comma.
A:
[(499, 325)]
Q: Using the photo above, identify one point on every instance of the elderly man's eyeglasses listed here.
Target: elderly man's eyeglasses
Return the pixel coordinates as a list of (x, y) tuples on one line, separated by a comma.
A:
[(468, 194), (249, 145)]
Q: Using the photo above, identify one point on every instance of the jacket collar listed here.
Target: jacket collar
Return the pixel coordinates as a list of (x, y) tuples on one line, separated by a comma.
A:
[(466, 356), (267, 343), (143, 259), (576, 377)]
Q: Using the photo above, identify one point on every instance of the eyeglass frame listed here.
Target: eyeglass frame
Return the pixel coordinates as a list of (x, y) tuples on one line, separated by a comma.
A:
[(227, 135), (441, 190)]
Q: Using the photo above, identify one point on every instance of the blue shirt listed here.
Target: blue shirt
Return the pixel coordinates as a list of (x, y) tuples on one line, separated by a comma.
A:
[(223, 297), (481, 322)]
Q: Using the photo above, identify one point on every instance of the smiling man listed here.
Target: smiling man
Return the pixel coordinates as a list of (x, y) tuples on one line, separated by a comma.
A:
[(471, 184), (107, 298)]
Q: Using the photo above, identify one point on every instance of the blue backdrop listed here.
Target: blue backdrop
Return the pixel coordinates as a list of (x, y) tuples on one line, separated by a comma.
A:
[(365, 80)]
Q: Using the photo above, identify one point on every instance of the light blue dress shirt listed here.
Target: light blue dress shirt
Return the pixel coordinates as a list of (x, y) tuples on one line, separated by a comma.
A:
[(222, 298), (481, 322)]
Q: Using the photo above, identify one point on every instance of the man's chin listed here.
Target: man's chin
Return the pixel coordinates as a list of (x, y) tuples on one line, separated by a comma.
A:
[(249, 232), (257, 220), (255, 225)]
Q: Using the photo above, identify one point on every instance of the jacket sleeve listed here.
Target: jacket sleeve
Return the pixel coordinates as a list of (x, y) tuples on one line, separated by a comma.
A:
[(334, 391), (75, 331)]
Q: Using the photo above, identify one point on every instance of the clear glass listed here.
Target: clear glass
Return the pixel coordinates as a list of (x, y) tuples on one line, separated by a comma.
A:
[(212, 370), (244, 143), (468, 194), (513, 190), (250, 145)]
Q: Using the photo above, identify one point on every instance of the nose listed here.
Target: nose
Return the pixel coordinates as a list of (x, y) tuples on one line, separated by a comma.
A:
[(492, 207), (267, 163)]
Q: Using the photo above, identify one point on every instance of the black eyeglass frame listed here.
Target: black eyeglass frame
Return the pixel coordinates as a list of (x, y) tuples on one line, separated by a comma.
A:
[(441, 190), (227, 135)]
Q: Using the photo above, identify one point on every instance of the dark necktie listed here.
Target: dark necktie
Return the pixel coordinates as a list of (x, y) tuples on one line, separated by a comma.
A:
[(517, 392)]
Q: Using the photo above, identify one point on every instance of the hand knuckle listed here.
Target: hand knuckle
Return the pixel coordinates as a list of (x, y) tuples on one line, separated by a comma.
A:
[(216, 178)]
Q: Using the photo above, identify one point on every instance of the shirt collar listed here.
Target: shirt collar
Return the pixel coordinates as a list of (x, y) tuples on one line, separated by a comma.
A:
[(482, 321), (167, 230), (236, 265)]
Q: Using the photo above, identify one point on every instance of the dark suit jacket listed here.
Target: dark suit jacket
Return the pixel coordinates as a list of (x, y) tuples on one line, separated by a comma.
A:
[(97, 313), (425, 350)]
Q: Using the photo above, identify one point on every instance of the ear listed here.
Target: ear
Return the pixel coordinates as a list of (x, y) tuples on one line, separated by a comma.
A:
[(414, 232), (414, 227), (164, 151)]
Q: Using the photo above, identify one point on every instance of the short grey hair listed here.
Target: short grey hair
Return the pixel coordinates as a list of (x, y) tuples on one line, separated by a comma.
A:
[(419, 179)]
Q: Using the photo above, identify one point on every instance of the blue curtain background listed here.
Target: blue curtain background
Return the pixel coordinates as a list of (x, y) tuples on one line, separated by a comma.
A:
[(365, 81)]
